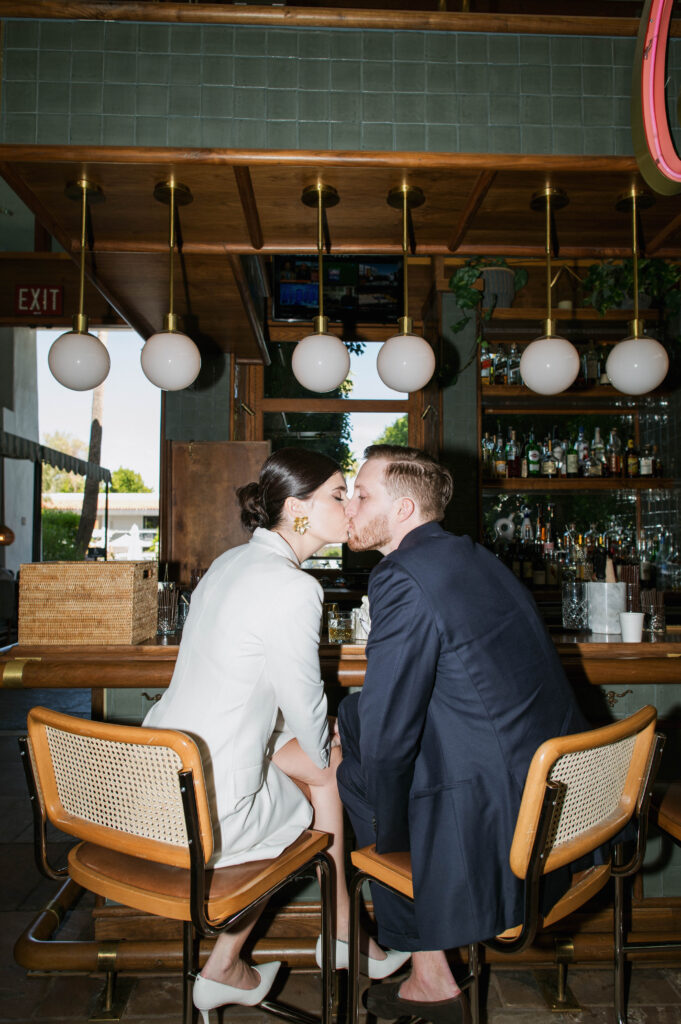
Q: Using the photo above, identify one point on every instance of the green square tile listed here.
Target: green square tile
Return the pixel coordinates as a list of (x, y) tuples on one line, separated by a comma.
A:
[(566, 110), (249, 134), (535, 139), (184, 101), (313, 106), (313, 74), (472, 78), (250, 103), (119, 99), (566, 50), (377, 45), (250, 42), (120, 67), (186, 39), (53, 129), (597, 110), (597, 51), (85, 130), (442, 138), (410, 137), (440, 78), (504, 109), (282, 72), (410, 108), (535, 110), (568, 140), (504, 139), (121, 35), (217, 70), (282, 104), (474, 110), (344, 106), (313, 135), (503, 49), (377, 107), (345, 74), (250, 70), (411, 77), (19, 128), (599, 141), (503, 78), (86, 98), (472, 48), (534, 50), (473, 138), (217, 39), (282, 43), (444, 109), (345, 135), (621, 81), (623, 52), (88, 67), (152, 100), (20, 96), (154, 39), (621, 111), (53, 65), (314, 44), (151, 131), (217, 132), (410, 46), (184, 131), (597, 81), (535, 79), (377, 136), (282, 135), (21, 34), (566, 80), (347, 44), (56, 35), (217, 101), (87, 35), (377, 76), (185, 70), (153, 68), (441, 46)]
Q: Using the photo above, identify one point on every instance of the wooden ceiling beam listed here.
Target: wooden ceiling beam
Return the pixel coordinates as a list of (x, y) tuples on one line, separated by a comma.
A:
[(670, 229), (255, 320), (249, 205), (475, 200)]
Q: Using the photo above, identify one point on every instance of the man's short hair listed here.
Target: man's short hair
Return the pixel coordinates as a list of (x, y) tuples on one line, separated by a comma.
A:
[(412, 473)]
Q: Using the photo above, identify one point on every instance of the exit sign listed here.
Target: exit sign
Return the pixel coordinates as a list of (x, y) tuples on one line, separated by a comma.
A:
[(38, 300)]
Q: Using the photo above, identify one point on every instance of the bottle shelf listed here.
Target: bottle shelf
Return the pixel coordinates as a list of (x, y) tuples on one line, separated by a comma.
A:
[(543, 483), (603, 397), (581, 313)]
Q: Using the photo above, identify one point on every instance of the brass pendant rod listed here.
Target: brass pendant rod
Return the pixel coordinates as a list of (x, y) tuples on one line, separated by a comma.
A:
[(634, 252), (320, 249), (405, 259), (83, 228), (171, 244), (548, 255)]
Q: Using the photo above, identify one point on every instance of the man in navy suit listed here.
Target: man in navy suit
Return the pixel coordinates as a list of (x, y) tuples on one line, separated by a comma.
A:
[(462, 685)]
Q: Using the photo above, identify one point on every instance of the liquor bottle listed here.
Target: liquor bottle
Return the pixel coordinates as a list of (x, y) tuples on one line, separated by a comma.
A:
[(645, 462), (500, 456), (538, 567), (631, 466), (549, 466), (591, 365), (558, 452), (513, 365), (485, 363), (512, 456), (500, 366), (526, 533), (613, 452), (657, 462), (582, 449), (486, 455), (532, 455), (597, 455), (572, 460)]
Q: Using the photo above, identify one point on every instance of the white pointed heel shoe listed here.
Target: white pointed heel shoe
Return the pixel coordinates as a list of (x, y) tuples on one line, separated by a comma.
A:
[(208, 995), (374, 969)]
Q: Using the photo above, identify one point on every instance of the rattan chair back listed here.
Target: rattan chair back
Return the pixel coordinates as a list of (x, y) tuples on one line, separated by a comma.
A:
[(117, 786), (599, 775)]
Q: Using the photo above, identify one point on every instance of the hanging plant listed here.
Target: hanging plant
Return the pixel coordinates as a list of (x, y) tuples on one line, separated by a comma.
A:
[(465, 286)]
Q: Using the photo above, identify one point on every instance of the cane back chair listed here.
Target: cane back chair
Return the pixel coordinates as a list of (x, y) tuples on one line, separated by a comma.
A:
[(581, 791), (136, 799)]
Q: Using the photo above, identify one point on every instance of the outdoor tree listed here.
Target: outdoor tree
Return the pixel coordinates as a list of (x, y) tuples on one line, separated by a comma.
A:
[(88, 514), (128, 481), (58, 479), (395, 433)]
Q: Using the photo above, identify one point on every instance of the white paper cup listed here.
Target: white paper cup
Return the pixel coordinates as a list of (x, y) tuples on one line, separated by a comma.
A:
[(632, 627)]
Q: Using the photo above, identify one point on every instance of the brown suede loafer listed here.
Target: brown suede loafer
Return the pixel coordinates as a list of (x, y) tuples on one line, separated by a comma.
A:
[(384, 1001)]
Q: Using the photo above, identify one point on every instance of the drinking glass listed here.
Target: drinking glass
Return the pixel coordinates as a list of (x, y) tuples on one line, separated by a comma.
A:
[(341, 628), (575, 606), (168, 595)]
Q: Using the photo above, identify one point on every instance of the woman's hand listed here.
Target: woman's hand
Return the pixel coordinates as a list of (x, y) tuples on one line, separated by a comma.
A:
[(333, 731)]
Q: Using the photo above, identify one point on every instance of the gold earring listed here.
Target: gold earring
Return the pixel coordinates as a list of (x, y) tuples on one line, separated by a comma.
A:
[(301, 524)]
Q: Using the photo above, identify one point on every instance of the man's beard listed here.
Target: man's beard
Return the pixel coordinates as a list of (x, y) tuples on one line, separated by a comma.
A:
[(376, 534)]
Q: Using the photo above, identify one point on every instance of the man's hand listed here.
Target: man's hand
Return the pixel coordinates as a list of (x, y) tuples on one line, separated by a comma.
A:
[(333, 731)]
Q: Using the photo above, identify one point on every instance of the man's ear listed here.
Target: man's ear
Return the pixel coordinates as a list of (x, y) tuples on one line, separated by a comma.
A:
[(405, 509)]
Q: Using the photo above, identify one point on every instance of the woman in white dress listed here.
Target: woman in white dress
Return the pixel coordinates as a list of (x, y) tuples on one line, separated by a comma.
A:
[(247, 688)]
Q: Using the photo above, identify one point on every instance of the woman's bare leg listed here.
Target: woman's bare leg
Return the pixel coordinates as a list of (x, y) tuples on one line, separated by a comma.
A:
[(225, 964)]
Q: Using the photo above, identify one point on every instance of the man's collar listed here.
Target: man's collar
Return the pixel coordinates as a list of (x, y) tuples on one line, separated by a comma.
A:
[(419, 533)]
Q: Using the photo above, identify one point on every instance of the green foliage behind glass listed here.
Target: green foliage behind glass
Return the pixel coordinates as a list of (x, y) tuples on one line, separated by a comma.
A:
[(59, 535)]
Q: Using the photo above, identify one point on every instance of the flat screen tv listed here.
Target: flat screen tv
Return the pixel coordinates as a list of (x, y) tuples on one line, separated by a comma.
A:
[(359, 289)]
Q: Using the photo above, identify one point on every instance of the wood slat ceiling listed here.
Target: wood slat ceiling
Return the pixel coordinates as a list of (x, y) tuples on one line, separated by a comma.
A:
[(249, 203)]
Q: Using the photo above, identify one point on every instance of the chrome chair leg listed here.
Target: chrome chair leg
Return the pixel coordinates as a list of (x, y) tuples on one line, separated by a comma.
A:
[(189, 969), (620, 957), (353, 947), (472, 981)]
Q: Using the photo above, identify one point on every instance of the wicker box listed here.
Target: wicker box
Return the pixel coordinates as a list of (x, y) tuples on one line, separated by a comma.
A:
[(87, 602)]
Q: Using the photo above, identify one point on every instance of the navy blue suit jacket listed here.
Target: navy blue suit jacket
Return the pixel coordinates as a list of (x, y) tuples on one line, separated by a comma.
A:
[(463, 684)]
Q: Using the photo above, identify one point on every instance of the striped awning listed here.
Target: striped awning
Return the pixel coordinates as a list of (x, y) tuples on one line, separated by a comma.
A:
[(14, 447)]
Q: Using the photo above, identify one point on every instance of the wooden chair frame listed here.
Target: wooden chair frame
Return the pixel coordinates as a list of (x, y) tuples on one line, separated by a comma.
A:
[(46, 805), (531, 857)]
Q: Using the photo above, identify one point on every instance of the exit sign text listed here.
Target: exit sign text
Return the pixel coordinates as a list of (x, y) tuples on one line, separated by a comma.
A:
[(38, 300)]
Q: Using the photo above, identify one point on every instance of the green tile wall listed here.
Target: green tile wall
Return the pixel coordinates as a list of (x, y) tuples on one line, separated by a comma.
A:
[(211, 85)]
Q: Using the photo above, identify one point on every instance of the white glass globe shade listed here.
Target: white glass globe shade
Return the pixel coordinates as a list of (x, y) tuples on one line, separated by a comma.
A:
[(637, 365), (549, 365), (78, 361), (320, 362), (170, 360), (405, 362)]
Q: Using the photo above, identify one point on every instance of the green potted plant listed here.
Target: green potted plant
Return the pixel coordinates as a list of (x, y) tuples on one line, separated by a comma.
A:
[(466, 287), (610, 285)]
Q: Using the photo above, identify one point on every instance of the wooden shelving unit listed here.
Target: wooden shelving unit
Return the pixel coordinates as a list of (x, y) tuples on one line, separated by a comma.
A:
[(543, 483)]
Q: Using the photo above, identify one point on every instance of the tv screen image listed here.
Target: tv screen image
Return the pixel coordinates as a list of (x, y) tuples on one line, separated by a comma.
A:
[(365, 289)]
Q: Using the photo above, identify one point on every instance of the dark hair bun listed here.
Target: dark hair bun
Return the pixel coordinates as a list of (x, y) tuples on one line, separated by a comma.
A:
[(253, 511)]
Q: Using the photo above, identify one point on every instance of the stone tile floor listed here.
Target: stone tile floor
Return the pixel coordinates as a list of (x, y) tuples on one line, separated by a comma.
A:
[(513, 996)]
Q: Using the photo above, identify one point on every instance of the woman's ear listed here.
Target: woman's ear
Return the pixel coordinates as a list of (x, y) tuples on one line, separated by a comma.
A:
[(293, 507)]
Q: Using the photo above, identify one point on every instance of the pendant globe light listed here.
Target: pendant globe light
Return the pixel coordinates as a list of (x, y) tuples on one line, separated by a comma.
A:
[(549, 364), (78, 359), (320, 361), (637, 364), (170, 359), (406, 362)]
